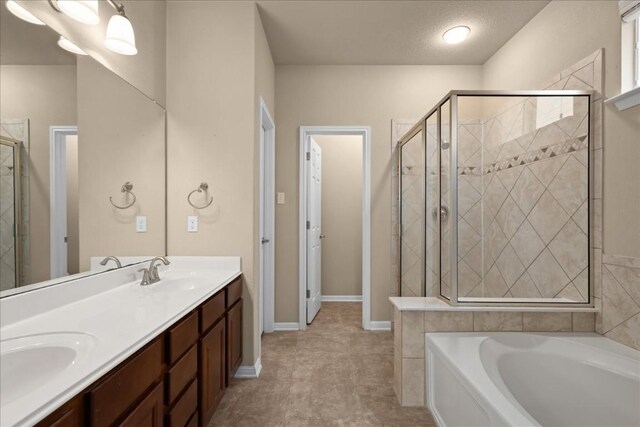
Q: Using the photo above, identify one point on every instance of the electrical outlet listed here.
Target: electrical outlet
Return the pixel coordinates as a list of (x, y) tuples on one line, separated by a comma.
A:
[(192, 224), (141, 224), (280, 199)]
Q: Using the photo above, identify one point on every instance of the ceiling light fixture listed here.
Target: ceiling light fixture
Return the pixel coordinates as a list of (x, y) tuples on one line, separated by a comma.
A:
[(84, 11), (22, 13), (120, 36), (70, 47), (456, 35)]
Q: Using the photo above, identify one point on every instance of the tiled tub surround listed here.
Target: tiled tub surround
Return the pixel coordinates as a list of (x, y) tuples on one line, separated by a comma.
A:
[(116, 311), (619, 317), (413, 317)]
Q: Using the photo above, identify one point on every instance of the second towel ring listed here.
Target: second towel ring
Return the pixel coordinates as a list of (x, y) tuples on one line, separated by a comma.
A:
[(203, 187), (126, 188)]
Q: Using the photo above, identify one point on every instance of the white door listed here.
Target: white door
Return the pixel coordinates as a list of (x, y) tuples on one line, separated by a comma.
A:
[(314, 247), (267, 218)]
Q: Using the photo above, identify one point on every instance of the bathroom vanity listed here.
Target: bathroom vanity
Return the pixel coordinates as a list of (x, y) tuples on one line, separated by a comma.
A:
[(174, 372)]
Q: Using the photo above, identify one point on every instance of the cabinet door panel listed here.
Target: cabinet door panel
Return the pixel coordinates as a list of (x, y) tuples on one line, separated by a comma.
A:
[(234, 339), (212, 371), (148, 413)]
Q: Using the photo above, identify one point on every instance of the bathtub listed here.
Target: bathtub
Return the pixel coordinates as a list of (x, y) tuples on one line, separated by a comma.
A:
[(531, 379)]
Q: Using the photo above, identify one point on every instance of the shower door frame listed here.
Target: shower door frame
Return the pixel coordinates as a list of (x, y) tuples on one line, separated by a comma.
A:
[(418, 127), (452, 96), (17, 209)]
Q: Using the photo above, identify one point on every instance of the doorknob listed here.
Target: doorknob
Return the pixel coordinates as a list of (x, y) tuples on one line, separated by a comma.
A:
[(265, 240), (322, 236)]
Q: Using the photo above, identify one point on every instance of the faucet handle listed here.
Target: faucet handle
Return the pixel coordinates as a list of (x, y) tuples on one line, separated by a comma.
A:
[(145, 277)]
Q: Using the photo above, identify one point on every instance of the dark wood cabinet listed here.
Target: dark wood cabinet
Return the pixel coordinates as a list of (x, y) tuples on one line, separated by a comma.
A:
[(149, 412), (212, 372), (234, 339), (178, 379), (71, 414)]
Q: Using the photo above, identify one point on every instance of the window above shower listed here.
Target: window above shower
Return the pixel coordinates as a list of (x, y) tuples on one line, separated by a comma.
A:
[(506, 198)]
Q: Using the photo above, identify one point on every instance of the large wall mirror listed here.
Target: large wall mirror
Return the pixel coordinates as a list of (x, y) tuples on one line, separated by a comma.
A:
[(82, 163)]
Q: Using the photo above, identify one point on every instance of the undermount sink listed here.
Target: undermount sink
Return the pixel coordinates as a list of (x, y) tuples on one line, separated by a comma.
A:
[(30, 362)]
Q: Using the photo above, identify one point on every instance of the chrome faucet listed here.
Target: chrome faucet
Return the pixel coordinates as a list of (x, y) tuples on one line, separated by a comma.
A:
[(111, 258), (153, 269)]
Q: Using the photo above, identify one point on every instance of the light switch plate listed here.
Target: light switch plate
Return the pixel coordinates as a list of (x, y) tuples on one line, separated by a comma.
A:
[(192, 224), (141, 224), (280, 199)]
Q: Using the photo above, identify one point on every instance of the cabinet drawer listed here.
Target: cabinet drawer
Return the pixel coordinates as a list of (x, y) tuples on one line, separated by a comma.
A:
[(193, 422), (113, 396), (148, 413), (181, 374), (185, 407), (68, 415), (234, 291), (182, 336), (211, 311)]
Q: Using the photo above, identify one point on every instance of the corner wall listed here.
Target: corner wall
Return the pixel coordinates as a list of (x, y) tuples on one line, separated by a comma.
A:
[(560, 35), (357, 96), (212, 92)]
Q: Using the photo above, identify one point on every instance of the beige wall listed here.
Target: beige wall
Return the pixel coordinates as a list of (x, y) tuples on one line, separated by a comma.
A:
[(563, 33), (46, 95), (121, 136), (341, 214), (349, 95), (146, 70), (73, 250), (212, 92)]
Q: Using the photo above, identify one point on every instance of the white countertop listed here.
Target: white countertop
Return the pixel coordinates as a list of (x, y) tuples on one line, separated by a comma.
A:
[(436, 304), (121, 319)]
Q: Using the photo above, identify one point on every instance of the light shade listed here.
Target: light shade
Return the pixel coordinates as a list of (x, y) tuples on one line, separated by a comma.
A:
[(120, 37), (85, 11), (456, 34), (69, 46), (22, 13)]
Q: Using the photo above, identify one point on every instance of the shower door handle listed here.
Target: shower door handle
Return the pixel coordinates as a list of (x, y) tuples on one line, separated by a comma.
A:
[(444, 213)]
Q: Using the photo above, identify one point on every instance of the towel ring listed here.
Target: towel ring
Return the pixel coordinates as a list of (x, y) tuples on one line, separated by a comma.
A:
[(202, 187), (126, 188)]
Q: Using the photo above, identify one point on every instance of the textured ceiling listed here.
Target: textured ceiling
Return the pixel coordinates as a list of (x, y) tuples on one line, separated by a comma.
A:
[(22, 43), (344, 32)]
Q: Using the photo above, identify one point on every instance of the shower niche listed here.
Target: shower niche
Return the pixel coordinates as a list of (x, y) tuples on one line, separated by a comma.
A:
[(494, 199)]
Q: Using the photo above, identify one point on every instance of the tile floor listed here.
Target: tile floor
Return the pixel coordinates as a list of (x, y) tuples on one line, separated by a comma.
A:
[(334, 373)]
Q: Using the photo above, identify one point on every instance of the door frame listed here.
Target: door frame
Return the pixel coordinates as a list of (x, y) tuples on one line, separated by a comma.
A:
[(305, 133), (267, 215), (58, 198)]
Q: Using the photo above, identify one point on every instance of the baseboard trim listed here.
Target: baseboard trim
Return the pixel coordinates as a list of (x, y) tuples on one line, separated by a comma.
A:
[(341, 298), (249, 371), (286, 326), (380, 325)]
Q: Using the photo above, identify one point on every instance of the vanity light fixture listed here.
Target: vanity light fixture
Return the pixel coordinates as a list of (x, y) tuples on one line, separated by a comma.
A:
[(84, 11), (456, 35), (120, 36), (22, 13), (70, 47)]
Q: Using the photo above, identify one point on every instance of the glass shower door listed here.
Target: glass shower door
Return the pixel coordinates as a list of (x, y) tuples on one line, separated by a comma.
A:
[(412, 210), (9, 214)]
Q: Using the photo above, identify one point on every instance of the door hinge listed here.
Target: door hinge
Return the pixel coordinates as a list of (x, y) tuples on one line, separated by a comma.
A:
[(308, 293), (308, 225), (308, 156)]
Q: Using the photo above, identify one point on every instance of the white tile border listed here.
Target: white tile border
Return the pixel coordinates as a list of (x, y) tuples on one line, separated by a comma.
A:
[(286, 326), (341, 298), (380, 325), (249, 371)]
